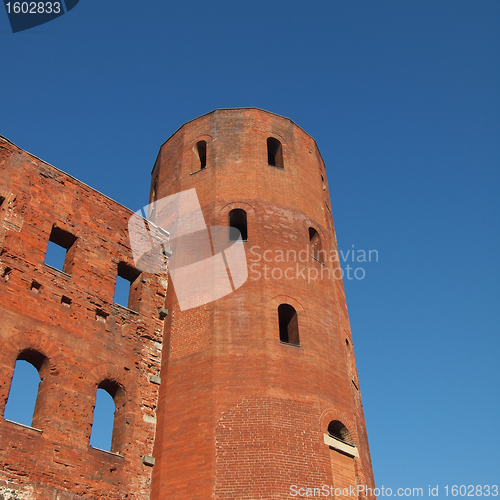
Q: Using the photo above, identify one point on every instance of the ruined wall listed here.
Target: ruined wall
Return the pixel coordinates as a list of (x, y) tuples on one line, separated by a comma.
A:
[(66, 324)]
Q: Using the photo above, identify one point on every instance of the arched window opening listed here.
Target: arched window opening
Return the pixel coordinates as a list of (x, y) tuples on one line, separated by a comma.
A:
[(103, 420), (23, 400), (343, 455), (238, 225), (126, 286), (288, 324), (274, 152), (339, 431), (108, 421), (200, 151), (317, 252), (323, 183)]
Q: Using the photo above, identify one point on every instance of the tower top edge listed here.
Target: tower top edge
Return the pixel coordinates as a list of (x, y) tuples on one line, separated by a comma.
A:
[(249, 108)]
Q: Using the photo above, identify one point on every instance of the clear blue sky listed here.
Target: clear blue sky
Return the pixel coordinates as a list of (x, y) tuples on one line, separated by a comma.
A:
[(403, 99)]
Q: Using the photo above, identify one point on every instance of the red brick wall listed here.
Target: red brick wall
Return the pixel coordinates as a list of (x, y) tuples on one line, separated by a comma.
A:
[(82, 348), (240, 414), (343, 474)]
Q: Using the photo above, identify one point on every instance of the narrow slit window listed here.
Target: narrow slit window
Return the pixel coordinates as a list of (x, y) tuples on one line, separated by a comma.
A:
[(2, 199), (105, 433), (201, 153), (60, 250), (288, 324), (154, 197), (24, 390), (323, 183), (155, 189), (126, 286), (274, 152), (238, 225), (316, 247), (350, 364)]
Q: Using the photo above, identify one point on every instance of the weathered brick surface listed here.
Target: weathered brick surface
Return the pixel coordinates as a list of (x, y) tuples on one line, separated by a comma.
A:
[(243, 415), (240, 414), (85, 342)]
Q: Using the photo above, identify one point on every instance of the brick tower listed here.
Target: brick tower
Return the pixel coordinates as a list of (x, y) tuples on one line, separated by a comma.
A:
[(259, 396)]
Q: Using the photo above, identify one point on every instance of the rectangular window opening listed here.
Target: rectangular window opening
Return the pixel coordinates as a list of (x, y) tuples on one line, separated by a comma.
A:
[(125, 286), (60, 250)]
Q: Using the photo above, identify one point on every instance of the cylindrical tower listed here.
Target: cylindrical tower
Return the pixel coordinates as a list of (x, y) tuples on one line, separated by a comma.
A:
[(259, 396)]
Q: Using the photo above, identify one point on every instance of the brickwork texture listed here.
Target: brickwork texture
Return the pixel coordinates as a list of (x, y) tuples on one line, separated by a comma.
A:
[(242, 398)]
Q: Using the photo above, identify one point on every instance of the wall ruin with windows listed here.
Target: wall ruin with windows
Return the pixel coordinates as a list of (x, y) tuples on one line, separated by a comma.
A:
[(257, 390), (62, 320)]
